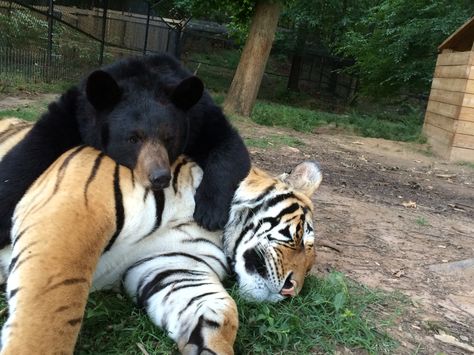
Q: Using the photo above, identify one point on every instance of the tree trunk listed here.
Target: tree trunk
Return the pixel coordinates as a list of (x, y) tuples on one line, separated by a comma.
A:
[(243, 91), (297, 59)]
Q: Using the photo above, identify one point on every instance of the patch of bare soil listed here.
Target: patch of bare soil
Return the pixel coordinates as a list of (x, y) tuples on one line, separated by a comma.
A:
[(11, 102), (396, 219)]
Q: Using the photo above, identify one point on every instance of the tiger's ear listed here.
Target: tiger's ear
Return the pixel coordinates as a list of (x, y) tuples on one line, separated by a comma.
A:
[(305, 177)]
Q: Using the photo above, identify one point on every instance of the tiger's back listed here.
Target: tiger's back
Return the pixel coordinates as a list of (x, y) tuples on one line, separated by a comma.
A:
[(12, 130), (61, 230)]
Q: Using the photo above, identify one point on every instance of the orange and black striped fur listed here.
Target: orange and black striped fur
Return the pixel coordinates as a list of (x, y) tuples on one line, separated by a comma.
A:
[(87, 222), (12, 130)]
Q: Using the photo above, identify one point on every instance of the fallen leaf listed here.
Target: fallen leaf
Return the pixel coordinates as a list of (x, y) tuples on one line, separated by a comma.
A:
[(399, 273), (409, 204), (446, 176), (142, 349)]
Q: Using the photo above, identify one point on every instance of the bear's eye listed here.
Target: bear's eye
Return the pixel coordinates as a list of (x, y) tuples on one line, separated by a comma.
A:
[(134, 139)]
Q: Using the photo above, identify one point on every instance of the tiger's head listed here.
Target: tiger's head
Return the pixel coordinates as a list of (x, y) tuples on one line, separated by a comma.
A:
[(269, 239)]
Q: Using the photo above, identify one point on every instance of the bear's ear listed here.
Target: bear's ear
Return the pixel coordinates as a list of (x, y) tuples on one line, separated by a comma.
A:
[(187, 93), (102, 90)]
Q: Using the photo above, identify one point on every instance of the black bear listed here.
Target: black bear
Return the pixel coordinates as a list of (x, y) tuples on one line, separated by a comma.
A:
[(146, 111)]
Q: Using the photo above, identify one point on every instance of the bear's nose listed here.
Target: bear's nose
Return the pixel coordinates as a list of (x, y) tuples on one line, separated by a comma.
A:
[(159, 179)]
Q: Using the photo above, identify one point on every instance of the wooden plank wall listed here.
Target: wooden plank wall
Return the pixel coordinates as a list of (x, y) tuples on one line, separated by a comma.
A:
[(123, 28), (463, 143), (449, 119)]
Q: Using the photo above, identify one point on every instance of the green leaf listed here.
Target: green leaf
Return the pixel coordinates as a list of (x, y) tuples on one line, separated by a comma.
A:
[(339, 301)]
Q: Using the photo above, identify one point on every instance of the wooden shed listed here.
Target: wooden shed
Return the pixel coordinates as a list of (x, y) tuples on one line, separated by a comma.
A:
[(449, 119)]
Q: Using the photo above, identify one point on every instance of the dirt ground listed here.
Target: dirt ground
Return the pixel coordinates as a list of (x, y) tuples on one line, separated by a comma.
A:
[(392, 217)]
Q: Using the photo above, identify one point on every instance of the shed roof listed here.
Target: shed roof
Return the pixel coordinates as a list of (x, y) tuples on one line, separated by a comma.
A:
[(461, 40)]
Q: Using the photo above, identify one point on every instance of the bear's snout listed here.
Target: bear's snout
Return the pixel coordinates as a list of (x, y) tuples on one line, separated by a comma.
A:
[(153, 167), (159, 178)]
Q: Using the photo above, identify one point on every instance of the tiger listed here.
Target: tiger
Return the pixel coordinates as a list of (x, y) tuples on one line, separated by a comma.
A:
[(86, 224)]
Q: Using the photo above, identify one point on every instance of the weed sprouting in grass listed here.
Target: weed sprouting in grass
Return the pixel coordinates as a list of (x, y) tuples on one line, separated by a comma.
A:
[(421, 221), (330, 312)]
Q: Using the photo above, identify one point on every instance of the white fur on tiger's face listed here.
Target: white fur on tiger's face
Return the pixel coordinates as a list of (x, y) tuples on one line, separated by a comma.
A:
[(269, 238)]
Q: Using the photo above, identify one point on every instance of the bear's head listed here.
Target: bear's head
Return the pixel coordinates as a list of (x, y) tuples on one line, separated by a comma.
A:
[(138, 117)]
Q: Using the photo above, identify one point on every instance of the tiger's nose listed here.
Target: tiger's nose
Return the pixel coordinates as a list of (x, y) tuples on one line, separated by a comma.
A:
[(159, 179), (289, 287)]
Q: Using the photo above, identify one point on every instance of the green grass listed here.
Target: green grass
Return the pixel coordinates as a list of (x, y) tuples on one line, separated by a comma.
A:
[(329, 312), (402, 128), (421, 221), (273, 141), (467, 164), (18, 85), (27, 112)]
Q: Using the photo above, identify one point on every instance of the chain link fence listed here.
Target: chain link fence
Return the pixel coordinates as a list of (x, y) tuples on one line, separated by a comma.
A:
[(47, 41)]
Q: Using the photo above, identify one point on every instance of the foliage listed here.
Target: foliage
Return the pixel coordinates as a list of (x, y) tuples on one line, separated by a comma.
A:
[(235, 14), (322, 21), (21, 29), (75, 46), (330, 311), (381, 125), (395, 42)]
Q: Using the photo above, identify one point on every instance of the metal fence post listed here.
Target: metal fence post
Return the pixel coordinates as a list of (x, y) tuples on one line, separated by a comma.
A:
[(49, 57), (177, 42), (147, 27), (104, 29)]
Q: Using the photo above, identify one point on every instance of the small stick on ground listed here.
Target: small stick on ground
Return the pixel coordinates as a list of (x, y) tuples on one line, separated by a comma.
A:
[(356, 245), (142, 349), (328, 244)]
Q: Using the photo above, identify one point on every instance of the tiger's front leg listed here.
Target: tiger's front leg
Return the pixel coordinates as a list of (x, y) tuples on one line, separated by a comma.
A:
[(183, 294), (59, 233)]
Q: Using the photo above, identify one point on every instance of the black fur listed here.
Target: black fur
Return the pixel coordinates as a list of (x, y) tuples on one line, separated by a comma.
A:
[(51, 136), (114, 110)]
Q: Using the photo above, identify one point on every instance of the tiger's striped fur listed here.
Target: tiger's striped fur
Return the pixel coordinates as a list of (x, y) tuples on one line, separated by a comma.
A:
[(85, 204), (12, 130)]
